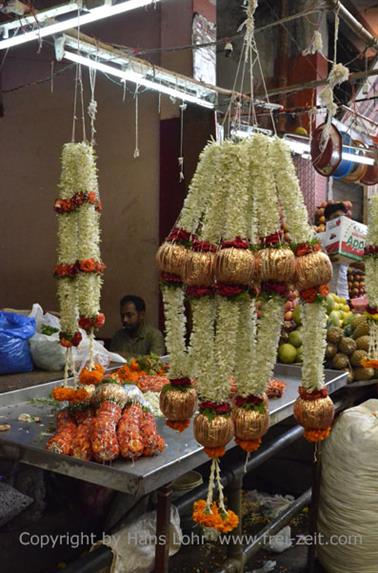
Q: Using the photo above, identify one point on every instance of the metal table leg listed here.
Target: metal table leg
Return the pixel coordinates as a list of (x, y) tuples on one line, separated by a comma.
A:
[(314, 509), (163, 516)]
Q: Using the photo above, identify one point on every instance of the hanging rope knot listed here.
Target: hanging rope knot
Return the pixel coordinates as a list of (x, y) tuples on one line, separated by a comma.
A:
[(181, 165), (92, 109), (338, 75)]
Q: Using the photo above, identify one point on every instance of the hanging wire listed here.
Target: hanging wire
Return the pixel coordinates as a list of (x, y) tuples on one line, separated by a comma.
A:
[(78, 88), (183, 107), (136, 97), (92, 107)]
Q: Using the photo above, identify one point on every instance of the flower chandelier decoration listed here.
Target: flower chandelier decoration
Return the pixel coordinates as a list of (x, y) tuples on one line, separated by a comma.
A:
[(313, 409), (371, 265), (79, 267)]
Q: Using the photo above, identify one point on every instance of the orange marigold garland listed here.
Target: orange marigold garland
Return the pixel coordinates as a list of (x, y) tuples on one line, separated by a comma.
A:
[(93, 375)]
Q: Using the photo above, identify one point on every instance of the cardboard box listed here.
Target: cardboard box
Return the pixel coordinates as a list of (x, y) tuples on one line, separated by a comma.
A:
[(345, 239)]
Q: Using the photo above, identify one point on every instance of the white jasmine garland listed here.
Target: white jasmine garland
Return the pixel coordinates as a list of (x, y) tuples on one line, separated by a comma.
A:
[(201, 349), (201, 188), (175, 321), (269, 330), (314, 319), (67, 297), (246, 346), (226, 338), (261, 183), (289, 192), (372, 234), (371, 279), (234, 186)]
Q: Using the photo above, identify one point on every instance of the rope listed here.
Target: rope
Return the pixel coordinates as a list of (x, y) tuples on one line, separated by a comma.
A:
[(183, 107), (136, 150), (92, 107)]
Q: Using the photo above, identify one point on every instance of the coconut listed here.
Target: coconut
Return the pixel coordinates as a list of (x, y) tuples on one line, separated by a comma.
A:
[(362, 329), (357, 357), (340, 361), (347, 346), (331, 350), (363, 342), (350, 375), (334, 334), (363, 373)]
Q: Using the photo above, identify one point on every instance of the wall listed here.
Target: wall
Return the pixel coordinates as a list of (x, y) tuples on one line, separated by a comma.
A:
[(35, 126)]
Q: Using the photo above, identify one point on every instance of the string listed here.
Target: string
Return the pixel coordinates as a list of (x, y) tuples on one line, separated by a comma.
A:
[(52, 64), (183, 107), (136, 96), (124, 91), (92, 107), (78, 86)]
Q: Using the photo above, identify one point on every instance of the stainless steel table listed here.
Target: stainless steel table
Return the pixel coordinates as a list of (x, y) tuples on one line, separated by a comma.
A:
[(27, 442)]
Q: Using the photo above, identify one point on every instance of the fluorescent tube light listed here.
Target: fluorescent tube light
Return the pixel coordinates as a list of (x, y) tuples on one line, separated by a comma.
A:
[(138, 79), (99, 13), (303, 148)]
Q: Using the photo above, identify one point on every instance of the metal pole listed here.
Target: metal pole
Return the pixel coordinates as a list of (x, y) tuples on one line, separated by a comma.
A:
[(353, 23), (314, 510), (163, 515)]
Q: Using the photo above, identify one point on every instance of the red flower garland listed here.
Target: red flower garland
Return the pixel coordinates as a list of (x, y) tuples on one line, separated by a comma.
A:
[(237, 243), (310, 396), (76, 201)]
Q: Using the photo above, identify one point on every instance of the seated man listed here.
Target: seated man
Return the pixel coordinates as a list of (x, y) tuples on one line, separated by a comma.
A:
[(136, 337)]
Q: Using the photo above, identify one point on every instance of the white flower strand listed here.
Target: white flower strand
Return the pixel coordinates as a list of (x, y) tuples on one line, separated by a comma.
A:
[(372, 234), (226, 339), (234, 183), (268, 335), (314, 321), (262, 186), (201, 189), (371, 268), (246, 347), (67, 297), (201, 350), (175, 321), (289, 192)]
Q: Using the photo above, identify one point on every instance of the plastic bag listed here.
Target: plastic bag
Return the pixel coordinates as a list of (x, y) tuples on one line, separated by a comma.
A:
[(48, 354), (134, 546), (15, 330)]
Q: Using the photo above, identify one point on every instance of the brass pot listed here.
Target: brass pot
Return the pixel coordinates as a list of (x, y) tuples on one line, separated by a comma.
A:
[(171, 258), (112, 392), (277, 264), (314, 414), (235, 266), (215, 433), (250, 424), (199, 268), (178, 405)]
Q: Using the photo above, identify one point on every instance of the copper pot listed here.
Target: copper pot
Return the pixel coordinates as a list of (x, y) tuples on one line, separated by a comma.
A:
[(313, 270), (199, 268), (171, 258), (235, 266), (277, 264), (215, 433), (314, 414), (178, 405)]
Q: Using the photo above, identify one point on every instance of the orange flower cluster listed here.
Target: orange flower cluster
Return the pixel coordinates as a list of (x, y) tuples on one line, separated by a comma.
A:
[(306, 248), (214, 518), (317, 435), (129, 373), (314, 294), (179, 426), (248, 445), (215, 452), (65, 393), (369, 363), (92, 376)]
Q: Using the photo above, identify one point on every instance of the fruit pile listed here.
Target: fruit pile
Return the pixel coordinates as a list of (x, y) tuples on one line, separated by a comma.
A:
[(356, 282), (347, 347), (320, 221), (290, 347)]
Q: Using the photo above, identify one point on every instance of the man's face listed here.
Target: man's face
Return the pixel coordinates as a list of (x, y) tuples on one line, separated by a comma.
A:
[(130, 317), (336, 215)]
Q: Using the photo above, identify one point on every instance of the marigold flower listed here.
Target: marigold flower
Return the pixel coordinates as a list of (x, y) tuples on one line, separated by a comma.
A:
[(248, 445), (93, 376), (317, 435), (215, 452), (179, 426), (87, 265), (323, 290)]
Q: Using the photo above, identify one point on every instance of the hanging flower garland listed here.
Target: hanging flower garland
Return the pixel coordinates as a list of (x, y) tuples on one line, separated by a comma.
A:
[(251, 416), (90, 266), (178, 399), (313, 409), (371, 266), (79, 267)]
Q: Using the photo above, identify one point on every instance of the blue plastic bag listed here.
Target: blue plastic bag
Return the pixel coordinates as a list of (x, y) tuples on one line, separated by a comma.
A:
[(15, 331)]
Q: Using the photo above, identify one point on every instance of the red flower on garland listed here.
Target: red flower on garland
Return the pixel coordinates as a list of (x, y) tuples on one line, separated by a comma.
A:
[(273, 239), (314, 294), (371, 309), (92, 198), (87, 323), (170, 278), (87, 265), (181, 382), (68, 340), (223, 408), (229, 291), (64, 271), (198, 292), (178, 235), (305, 395), (237, 243), (305, 248), (203, 246), (251, 399), (272, 287)]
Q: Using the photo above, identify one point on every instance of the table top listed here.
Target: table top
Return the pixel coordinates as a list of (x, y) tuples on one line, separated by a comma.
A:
[(182, 453)]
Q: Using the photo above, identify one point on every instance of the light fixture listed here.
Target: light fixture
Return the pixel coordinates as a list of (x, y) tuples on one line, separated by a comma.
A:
[(139, 79), (301, 146), (92, 15)]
